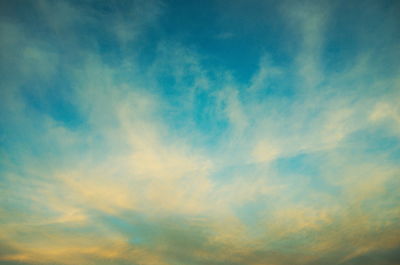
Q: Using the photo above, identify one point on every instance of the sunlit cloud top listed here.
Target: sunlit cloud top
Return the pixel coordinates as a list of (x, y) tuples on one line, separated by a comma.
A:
[(199, 132)]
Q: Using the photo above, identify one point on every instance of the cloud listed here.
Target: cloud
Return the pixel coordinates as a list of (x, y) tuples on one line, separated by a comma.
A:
[(124, 142)]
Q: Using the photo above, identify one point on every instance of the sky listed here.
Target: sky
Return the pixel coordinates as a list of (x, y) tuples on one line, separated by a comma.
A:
[(242, 132)]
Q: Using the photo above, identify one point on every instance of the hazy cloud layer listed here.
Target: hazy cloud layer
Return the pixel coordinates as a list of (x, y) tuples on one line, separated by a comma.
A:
[(180, 132)]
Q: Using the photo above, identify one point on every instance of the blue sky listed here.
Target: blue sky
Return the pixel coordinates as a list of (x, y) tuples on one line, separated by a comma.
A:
[(199, 132)]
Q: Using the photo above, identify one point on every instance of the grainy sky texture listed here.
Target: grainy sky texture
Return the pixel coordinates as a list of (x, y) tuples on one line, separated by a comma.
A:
[(177, 132)]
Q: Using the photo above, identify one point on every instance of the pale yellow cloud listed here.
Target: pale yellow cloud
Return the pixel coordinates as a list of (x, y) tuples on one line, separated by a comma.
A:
[(265, 151)]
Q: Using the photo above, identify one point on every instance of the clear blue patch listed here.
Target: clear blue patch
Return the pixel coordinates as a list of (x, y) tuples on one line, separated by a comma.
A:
[(226, 42), (303, 173), (252, 212), (51, 99), (375, 141), (299, 164)]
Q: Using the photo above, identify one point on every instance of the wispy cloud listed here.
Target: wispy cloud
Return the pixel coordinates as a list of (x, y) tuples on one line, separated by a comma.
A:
[(126, 140)]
